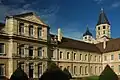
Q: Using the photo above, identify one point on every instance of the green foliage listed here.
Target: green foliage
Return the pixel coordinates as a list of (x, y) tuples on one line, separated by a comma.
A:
[(19, 74), (68, 73), (54, 73), (93, 78), (108, 74), (52, 67)]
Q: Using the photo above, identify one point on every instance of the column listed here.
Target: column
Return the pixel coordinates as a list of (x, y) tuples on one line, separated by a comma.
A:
[(35, 72), (27, 68), (10, 61)]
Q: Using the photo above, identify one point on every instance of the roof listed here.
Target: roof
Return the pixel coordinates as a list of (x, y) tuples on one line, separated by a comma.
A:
[(26, 14), (102, 18), (111, 45), (76, 44), (87, 32)]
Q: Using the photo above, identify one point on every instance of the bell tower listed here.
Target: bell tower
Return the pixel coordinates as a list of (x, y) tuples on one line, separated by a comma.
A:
[(103, 26)]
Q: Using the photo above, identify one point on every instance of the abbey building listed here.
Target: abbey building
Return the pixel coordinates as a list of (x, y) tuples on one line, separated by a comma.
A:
[(25, 41)]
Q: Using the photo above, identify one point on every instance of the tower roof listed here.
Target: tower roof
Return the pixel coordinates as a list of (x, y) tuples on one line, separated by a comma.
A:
[(102, 18), (87, 32)]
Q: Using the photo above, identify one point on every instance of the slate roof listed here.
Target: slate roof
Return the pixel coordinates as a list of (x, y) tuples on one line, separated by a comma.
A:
[(102, 18), (87, 32)]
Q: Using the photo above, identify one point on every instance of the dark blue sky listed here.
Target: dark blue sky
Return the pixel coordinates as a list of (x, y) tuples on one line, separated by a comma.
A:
[(71, 16)]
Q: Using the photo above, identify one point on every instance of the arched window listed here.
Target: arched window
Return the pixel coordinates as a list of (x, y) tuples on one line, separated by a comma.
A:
[(2, 69), (40, 68), (80, 69), (86, 71)]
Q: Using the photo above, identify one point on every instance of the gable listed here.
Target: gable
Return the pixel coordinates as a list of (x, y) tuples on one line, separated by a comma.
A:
[(31, 17)]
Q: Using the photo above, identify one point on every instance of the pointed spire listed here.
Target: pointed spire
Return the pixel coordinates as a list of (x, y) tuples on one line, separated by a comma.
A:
[(102, 9), (87, 32), (102, 18)]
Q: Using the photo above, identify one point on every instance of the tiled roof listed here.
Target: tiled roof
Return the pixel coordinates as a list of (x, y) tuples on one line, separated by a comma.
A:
[(111, 45), (75, 44)]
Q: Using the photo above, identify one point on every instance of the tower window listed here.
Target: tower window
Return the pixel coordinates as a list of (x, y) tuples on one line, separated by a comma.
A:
[(98, 28), (103, 27), (103, 32), (85, 37)]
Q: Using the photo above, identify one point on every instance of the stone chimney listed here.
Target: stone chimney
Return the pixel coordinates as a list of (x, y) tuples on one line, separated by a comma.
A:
[(59, 35)]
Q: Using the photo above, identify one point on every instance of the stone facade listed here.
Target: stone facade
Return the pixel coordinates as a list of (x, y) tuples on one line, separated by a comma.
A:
[(26, 42)]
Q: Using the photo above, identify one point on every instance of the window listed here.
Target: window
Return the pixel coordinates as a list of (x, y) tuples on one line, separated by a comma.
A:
[(40, 51), (2, 69), (90, 57), (105, 58), (86, 57), (98, 28), (31, 70), (21, 28), (99, 58), (119, 68), (95, 58), (75, 69), (74, 56), (40, 69), (30, 50), (80, 56), (30, 30), (61, 67), (103, 32), (95, 69), (80, 69), (86, 70), (112, 57), (119, 56), (98, 33), (99, 69), (103, 27), (60, 54), (91, 69), (68, 68), (1, 48), (112, 67), (39, 32), (21, 50), (21, 65), (85, 37), (68, 55)]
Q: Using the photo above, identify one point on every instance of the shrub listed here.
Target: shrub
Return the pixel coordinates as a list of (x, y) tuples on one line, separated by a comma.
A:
[(68, 73), (19, 74), (108, 74), (54, 73)]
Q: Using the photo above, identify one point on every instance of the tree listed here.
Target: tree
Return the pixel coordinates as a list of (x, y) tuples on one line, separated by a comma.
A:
[(54, 73), (108, 74), (68, 73), (19, 74)]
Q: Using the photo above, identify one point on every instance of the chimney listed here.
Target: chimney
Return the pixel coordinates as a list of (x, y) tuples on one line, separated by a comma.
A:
[(59, 35), (104, 43)]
